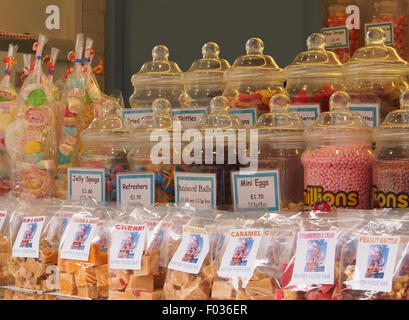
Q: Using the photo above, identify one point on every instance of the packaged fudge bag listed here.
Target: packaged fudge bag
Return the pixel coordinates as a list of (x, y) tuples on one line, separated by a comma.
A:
[(6, 209), (313, 269), (33, 264), (248, 266), (137, 244), (83, 256), (374, 262)]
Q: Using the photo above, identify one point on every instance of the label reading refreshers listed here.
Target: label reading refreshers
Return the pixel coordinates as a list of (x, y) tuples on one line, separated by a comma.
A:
[(127, 246), (28, 238), (192, 250), (137, 188), (258, 191), (197, 189), (84, 183)]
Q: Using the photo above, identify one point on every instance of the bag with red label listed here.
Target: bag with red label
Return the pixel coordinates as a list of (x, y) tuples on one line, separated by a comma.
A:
[(137, 244), (83, 255), (374, 260), (248, 266), (313, 270)]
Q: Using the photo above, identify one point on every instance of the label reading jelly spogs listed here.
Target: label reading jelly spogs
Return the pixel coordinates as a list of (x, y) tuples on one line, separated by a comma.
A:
[(375, 263), (2, 218), (315, 258), (336, 38), (248, 117), (307, 112), (136, 188), (135, 116), (85, 183), (387, 27), (189, 117), (239, 259), (79, 235), (192, 250), (198, 189), (27, 241), (368, 111), (258, 191), (127, 247)]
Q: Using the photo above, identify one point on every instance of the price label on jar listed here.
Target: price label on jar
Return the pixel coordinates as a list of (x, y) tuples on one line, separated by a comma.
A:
[(127, 247), (336, 38), (135, 116), (375, 263), (198, 189), (258, 191), (137, 188), (387, 27), (84, 183), (80, 233), (315, 258), (307, 112), (2, 218), (28, 238), (369, 112), (189, 117), (248, 117)]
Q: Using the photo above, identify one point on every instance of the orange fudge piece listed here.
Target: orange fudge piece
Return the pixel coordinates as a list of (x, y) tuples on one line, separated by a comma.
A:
[(67, 284), (101, 273), (88, 291), (85, 276), (141, 283)]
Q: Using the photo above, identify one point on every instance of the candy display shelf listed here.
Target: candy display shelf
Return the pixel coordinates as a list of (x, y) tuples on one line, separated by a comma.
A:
[(37, 292)]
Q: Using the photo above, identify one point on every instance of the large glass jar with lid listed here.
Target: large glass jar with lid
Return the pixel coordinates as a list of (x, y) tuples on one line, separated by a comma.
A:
[(219, 149), (312, 78), (390, 174), (159, 78), (280, 145), (338, 159), (106, 143), (204, 80), (394, 13), (147, 156), (374, 78), (253, 79)]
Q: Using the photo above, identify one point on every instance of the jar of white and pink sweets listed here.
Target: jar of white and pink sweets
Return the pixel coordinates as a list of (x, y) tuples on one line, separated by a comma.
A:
[(338, 160), (390, 174)]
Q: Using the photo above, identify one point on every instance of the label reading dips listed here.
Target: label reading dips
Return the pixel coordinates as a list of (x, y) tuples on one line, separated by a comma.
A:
[(197, 189), (86, 184), (136, 188), (258, 191)]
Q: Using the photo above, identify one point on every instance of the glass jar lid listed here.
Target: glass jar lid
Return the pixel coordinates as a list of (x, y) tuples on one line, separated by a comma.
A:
[(375, 58), (210, 68), (339, 123), (315, 62), (279, 123), (395, 127), (110, 127), (219, 117), (254, 65), (159, 71)]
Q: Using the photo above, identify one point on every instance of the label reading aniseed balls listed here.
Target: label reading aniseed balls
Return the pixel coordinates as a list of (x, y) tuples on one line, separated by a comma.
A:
[(197, 189)]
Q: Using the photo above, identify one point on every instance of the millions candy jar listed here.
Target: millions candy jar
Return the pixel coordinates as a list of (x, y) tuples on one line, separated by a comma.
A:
[(337, 17), (312, 78), (106, 145), (394, 11), (204, 79), (280, 145), (253, 79), (160, 162), (338, 160), (374, 78), (159, 78), (216, 158), (390, 174), (34, 149)]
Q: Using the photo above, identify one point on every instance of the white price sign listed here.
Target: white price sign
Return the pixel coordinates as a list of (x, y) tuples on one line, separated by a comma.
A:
[(136, 188), (84, 183)]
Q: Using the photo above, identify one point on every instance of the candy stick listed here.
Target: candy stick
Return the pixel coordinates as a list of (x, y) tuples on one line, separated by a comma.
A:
[(27, 67)]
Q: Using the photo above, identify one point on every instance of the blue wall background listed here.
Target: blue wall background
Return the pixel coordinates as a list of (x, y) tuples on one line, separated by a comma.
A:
[(134, 27)]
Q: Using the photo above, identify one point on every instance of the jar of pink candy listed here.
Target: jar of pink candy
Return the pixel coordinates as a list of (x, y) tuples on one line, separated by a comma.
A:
[(338, 160), (395, 13), (106, 145), (253, 79), (390, 175)]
